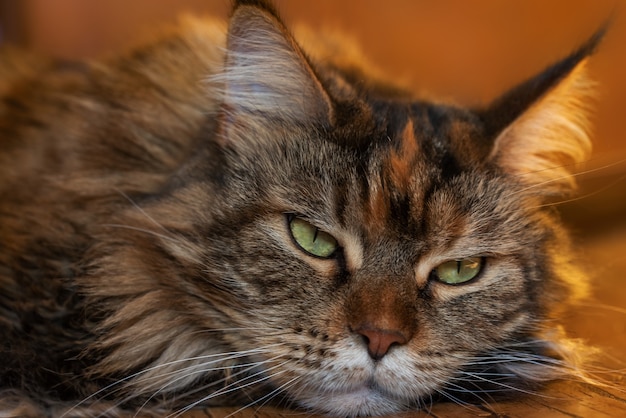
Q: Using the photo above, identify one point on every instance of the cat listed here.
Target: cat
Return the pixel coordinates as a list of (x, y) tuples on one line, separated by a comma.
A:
[(221, 218)]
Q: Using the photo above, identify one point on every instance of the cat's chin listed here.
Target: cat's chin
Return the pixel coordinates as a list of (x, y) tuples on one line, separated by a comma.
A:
[(367, 388), (364, 401)]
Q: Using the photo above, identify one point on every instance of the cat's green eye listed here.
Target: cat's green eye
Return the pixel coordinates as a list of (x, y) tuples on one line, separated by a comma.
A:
[(311, 239), (458, 271)]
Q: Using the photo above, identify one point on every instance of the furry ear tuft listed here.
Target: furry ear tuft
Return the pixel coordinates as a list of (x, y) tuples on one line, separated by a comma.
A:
[(539, 131), (266, 75), (544, 144)]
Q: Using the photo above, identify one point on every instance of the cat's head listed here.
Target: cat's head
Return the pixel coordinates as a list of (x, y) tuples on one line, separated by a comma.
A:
[(360, 249)]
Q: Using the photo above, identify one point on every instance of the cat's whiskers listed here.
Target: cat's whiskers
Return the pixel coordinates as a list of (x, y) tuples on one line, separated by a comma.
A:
[(464, 404), (236, 329), (460, 390), (477, 379), (505, 387), (613, 309), (505, 358), (166, 235), (147, 231), (585, 196), (276, 333), (142, 211), (421, 403), (599, 162), (217, 357), (249, 367), (557, 179), (513, 354), (262, 401), (237, 385), (200, 369)]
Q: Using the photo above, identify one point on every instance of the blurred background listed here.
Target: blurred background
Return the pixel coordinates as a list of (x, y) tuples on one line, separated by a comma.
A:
[(465, 51)]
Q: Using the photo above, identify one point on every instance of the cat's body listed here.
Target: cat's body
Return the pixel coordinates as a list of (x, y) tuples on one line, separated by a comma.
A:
[(150, 256)]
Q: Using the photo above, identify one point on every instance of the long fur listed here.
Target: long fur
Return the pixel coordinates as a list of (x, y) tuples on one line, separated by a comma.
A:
[(146, 260)]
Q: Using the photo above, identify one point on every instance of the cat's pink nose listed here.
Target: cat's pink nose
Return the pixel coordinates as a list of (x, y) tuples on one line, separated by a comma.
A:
[(379, 341)]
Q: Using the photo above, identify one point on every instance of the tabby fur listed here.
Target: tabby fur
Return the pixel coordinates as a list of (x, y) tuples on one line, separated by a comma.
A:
[(146, 262)]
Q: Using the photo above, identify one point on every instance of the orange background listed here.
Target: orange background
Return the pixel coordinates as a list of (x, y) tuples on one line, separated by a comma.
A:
[(467, 51)]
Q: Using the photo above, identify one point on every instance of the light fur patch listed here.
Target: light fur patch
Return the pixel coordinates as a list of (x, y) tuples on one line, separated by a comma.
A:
[(353, 250), (266, 72), (546, 143)]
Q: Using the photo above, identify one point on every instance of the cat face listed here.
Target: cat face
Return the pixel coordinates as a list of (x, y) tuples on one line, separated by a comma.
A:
[(347, 247), (391, 234)]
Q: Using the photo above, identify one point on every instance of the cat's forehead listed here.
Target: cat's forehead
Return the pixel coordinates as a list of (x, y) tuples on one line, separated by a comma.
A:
[(418, 147), (402, 131), (422, 137)]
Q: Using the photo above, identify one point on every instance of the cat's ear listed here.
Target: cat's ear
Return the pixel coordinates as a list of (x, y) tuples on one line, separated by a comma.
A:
[(266, 76), (540, 129)]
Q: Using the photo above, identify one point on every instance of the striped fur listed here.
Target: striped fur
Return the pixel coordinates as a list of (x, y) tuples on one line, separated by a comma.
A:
[(146, 262)]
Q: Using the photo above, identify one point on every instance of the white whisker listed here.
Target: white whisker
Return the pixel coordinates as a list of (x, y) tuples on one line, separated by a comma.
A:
[(201, 369), (504, 386), (219, 356), (140, 209), (539, 185), (587, 195), (146, 231), (231, 387), (266, 398)]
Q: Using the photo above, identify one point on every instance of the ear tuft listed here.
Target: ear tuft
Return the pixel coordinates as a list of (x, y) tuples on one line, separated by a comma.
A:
[(266, 75), (540, 130), (546, 142)]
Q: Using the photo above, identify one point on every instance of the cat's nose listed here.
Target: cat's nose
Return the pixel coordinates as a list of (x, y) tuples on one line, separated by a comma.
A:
[(379, 341)]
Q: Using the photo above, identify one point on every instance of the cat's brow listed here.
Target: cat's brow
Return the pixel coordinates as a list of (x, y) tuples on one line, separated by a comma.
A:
[(402, 160), (392, 187)]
